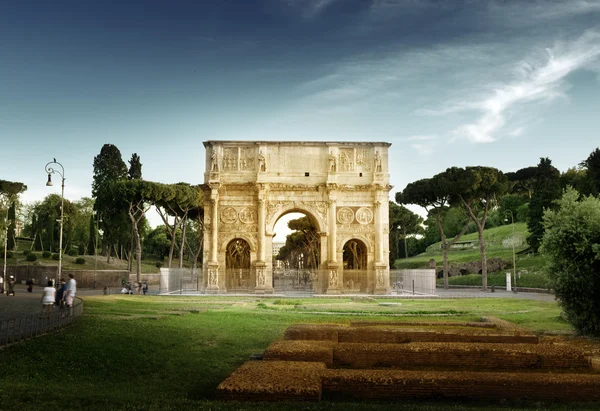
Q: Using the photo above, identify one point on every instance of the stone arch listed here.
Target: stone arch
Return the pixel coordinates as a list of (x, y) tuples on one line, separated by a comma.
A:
[(225, 240), (238, 272), (292, 208), (361, 237), (249, 185), (313, 218), (355, 265)]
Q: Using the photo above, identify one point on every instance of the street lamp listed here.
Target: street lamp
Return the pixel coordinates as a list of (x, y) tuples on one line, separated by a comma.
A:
[(513, 240), (50, 170), (98, 221), (4, 283)]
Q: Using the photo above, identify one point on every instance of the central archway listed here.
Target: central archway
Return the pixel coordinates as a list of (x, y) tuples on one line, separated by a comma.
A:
[(297, 254)]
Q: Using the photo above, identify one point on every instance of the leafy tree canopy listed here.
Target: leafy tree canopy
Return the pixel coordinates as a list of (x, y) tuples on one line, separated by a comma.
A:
[(572, 243)]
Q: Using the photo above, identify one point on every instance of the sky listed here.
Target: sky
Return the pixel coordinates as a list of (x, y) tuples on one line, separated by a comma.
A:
[(449, 83)]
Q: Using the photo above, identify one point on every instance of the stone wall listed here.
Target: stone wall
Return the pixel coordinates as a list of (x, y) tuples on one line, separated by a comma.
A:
[(85, 278)]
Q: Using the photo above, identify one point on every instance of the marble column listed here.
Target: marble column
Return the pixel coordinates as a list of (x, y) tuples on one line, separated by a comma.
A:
[(382, 277), (260, 266), (212, 285), (333, 274)]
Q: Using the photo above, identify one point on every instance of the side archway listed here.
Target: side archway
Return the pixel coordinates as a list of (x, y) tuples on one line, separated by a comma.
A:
[(238, 266), (355, 266)]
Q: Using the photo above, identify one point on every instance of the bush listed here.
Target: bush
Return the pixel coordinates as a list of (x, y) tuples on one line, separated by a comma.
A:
[(25, 252), (571, 242), (55, 256), (80, 260), (9, 254), (46, 254), (72, 252), (158, 264), (31, 257)]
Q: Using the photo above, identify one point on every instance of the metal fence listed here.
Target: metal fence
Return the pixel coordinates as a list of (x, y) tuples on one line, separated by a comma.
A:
[(301, 282), (413, 282), (22, 327)]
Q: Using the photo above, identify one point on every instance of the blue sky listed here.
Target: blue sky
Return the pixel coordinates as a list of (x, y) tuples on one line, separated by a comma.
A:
[(448, 83)]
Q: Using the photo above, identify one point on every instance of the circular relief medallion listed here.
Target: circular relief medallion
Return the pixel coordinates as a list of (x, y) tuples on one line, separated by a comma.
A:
[(345, 215), (364, 215), (248, 215), (229, 215)]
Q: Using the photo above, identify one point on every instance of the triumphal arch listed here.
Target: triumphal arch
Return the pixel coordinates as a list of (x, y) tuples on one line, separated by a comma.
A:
[(343, 187)]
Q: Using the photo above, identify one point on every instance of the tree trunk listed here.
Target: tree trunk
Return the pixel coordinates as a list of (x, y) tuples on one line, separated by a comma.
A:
[(181, 248), (438, 222), (483, 258), (173, 239), (405, 248), (480, 227)]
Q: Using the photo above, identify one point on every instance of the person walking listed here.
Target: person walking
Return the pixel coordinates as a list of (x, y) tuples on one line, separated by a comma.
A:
[(71, 290), (48, 297), (61, 293), (11, 286)]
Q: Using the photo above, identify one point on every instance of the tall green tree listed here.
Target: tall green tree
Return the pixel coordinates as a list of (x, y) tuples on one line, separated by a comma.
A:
[(434, 195), (477, 190), (177, 203), (403, 223), (571, 243), (9, 193), (135, 167), (592, 167), (521, 182), (134, 173), (109, 168), (546, 190)]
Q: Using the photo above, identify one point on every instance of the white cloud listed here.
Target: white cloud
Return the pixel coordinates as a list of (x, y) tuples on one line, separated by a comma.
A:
[(538, 80), (516, 132)]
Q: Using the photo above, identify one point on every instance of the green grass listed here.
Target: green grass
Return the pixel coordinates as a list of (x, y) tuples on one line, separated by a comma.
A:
[(494, 249), (154, 353)]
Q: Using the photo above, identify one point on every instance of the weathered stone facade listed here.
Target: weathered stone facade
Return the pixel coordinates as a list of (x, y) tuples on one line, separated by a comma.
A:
[(342, 186)]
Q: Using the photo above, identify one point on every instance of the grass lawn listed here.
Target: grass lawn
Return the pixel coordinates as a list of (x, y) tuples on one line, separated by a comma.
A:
[(155, 353)]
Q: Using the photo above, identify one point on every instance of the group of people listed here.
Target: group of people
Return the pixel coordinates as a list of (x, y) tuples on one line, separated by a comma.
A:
[(134, 288), (62, 296)]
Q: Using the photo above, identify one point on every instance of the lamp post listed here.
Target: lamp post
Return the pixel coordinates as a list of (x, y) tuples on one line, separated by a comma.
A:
[(98, 221), (513, 240), (51, 170), (4, 283)]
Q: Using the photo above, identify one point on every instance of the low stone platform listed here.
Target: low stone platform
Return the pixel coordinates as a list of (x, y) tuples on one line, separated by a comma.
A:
[(415, 361), (403, 334)]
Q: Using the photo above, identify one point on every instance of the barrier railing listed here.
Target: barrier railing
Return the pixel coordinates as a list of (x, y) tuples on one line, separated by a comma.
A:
[(27, 326)]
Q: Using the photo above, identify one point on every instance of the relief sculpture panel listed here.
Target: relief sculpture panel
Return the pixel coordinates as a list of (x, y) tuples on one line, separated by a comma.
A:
[(248, 215), (229, 215)]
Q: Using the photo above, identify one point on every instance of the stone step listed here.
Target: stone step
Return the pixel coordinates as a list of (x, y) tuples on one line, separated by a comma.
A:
[(309, 381), (472, 356), (400, 335)]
